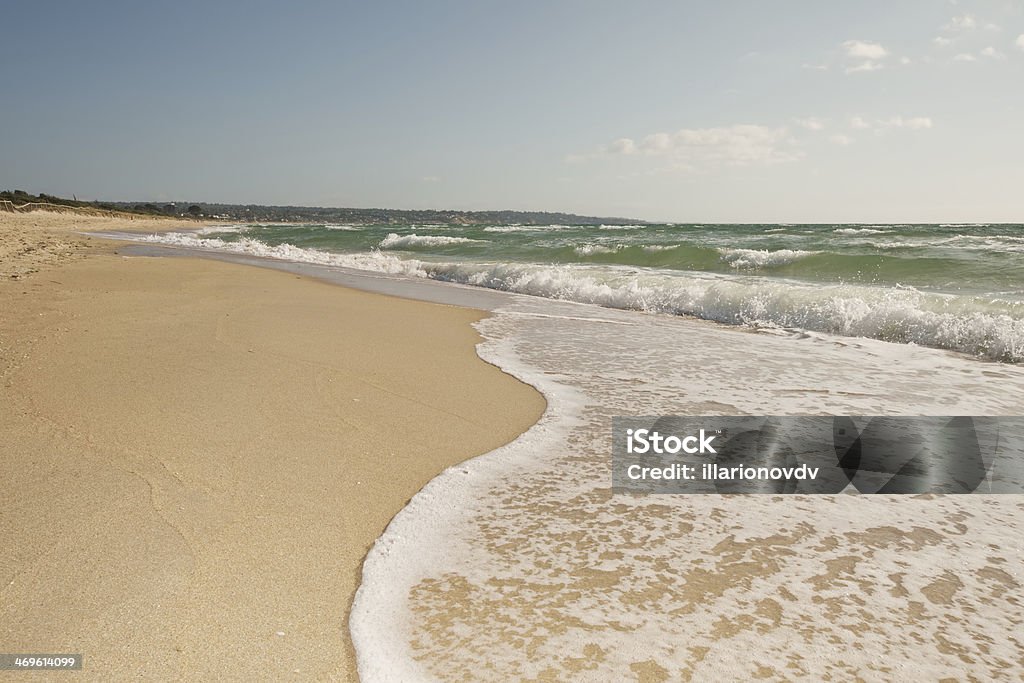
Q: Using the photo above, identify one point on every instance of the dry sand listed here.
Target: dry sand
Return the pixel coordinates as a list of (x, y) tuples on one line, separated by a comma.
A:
[(41, 239), (196, 456)]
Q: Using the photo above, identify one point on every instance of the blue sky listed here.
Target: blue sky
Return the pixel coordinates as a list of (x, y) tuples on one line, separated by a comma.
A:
[(717, 111)]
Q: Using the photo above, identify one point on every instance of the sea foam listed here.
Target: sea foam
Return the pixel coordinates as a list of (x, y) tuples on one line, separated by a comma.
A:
[(521, 564), (396, 241), (860, 231), (762, 258)]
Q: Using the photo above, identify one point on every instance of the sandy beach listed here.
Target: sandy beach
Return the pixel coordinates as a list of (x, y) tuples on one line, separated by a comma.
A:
[(196, 456), (241, 470)]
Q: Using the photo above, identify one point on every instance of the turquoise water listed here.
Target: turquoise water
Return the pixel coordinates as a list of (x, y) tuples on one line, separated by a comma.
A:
[(951, 286)]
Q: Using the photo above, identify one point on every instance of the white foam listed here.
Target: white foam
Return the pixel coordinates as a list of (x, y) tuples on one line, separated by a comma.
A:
[(524, 544), (344, 227), (590, 249), (372, 261), (860, 231), (396, 241), (526, 228), (507, 228), (761, 258), (987, 243), (229, 228), (379, 622), (902, 314)]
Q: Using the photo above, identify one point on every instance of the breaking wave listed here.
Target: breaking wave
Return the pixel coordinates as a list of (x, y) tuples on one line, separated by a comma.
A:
[(762, 258), (984, 327), (860, 231), (396, 241)]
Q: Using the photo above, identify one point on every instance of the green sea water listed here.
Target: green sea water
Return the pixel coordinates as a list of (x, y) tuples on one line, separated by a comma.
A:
[(951, 286), (950, 258)]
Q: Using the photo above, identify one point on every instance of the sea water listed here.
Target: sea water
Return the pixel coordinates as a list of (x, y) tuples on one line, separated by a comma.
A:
[(948, 286)]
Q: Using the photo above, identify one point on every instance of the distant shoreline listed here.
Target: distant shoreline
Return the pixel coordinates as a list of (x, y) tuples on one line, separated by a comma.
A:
[(17, 200)]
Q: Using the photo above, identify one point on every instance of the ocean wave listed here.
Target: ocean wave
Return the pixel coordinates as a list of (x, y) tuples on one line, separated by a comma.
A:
[(525, 228), (591, 249), (902, 315), (860, 231), (1007, 238), (219, 229), (899, 244), (987, 243), (984, 328), (1004, 243), (762, 258), (341, 226), (396, 241), (372, 261)]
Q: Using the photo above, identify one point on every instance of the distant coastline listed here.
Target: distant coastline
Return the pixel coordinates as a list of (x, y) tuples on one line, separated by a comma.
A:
[(19, 199)]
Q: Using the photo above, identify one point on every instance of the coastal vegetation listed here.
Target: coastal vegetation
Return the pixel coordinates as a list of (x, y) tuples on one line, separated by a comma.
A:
[(16, 199)]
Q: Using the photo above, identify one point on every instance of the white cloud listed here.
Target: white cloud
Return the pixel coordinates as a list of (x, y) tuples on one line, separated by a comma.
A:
[(622, 146), (915, 123), (863, 56), (1020, 41), (816, 67), (965, 57), (811, 123), (880, 125), (864, 66), (941, 41), (991, 53), (968, 22), (859, 49), (738, 145), (431, 179), (965, 22), (658, 142), (695, 149), (904, 60)]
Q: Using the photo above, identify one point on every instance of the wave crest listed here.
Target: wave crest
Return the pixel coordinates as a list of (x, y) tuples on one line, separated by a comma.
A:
[(860, 231), (396, 241), (762, 258)]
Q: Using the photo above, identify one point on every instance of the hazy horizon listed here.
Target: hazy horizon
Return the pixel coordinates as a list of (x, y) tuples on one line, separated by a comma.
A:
[(731, 113)]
